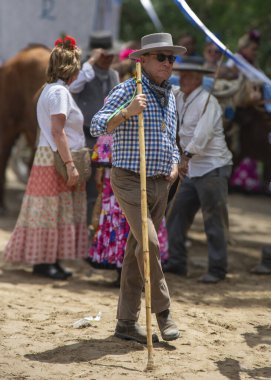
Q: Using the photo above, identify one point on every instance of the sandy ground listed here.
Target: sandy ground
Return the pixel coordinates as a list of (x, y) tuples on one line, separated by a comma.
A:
[(225, 328)]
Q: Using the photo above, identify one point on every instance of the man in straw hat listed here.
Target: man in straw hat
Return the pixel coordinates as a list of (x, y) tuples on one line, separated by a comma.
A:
[(208, 161), (119, 116), (95, 80)]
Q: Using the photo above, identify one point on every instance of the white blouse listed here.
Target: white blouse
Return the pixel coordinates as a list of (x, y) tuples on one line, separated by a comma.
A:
[(56, 99)]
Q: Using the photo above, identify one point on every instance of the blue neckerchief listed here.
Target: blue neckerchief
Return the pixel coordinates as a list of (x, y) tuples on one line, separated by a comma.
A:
[(162, 108)]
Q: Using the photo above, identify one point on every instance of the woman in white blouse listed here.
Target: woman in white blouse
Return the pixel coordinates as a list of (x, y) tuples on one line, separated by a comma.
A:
[(52, 221)]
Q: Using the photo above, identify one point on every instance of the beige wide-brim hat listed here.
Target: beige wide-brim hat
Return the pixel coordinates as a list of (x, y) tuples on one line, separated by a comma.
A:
[(157, 41), (193, 64)]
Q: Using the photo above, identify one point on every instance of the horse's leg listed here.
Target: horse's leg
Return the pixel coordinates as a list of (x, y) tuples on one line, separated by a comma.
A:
[(7, 141), (31, 134)]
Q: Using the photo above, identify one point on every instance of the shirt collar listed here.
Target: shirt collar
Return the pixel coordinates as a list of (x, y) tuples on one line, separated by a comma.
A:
[(147, 80), (193, 94), (61, 82)]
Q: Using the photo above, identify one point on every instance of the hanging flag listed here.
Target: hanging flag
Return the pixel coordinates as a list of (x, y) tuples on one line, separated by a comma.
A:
[(147, 4), (246, 68)]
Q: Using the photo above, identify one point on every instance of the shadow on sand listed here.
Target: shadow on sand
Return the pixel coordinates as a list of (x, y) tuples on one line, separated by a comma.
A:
[(93, 349), (231, 369)]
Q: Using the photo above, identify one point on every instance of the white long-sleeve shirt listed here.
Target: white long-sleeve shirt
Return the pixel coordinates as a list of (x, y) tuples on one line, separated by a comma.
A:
[(202, 134), (86, 74)]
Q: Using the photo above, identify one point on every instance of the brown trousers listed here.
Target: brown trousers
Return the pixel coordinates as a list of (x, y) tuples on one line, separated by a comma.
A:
[(126, 187)]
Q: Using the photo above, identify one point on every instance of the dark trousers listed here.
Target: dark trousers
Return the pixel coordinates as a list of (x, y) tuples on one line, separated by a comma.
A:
[(209, 193), (266, 256), (92, 192)]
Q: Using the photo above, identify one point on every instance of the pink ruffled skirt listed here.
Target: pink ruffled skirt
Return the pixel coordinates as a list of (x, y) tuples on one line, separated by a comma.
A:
[(52, 221)]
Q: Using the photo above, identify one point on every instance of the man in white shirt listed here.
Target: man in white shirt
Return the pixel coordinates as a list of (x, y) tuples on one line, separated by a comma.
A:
[(207, 162), (94, 82)]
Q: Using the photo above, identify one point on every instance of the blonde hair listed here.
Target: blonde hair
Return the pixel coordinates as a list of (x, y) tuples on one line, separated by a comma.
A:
[(64, 62)]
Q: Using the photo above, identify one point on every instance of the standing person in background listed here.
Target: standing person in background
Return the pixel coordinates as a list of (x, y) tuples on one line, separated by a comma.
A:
[(52, 221), (208, 160), (212, 60), (248, 48), (157, 55), (211, 55), (247, 176), (95, 80), (189, 41)]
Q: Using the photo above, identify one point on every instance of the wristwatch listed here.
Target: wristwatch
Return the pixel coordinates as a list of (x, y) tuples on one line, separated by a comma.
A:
[(187, 154), (124, 113)]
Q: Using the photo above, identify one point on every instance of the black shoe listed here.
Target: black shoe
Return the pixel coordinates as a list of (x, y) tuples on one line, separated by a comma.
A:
[(131, 330), (170, 268), (49, 270), (63, 270), (261, 269), (96, 265), (167, 326), (209, 278)]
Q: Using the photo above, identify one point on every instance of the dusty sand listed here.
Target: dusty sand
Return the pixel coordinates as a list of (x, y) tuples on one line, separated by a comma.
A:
[(225, 328)]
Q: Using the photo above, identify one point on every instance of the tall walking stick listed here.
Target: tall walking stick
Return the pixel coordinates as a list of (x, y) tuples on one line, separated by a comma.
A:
[(144, 218)]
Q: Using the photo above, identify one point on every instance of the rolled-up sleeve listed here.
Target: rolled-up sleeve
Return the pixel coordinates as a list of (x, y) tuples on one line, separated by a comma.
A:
[(176, 156), (116, 98)]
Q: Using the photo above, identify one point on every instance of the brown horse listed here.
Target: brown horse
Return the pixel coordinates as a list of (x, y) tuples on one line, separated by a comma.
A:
[(20, 79)]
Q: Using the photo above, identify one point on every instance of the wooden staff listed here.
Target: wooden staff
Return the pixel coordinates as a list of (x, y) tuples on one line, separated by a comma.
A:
[(144, 218)]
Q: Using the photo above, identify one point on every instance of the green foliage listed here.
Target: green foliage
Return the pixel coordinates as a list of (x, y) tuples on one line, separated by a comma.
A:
[(230, 18)]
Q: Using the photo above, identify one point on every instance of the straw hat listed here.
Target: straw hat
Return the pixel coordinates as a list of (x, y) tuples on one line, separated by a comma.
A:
[(157, 41)]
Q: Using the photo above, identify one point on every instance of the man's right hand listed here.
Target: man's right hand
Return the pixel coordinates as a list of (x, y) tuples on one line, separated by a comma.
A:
[(183, 168), (95, 56), (138, 105)]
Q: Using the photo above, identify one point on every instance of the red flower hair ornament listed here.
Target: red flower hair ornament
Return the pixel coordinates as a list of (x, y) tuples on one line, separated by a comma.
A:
[(66, 42)]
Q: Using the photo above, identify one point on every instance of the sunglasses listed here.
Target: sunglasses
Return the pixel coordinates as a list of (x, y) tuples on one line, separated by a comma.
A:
[(163, 57)]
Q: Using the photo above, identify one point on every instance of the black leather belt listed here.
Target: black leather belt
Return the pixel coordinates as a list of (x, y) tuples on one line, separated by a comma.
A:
[(156, 176)]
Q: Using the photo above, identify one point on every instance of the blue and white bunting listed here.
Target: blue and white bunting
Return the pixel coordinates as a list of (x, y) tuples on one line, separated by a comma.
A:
[(147, 4), (246, 68)]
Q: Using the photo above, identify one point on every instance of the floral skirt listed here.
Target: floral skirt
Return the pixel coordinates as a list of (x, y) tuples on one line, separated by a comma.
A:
[(109, 241), (248, 176), (52, 221)]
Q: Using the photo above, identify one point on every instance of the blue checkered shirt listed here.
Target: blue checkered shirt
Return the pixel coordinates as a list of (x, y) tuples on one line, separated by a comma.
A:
[(160, 145)]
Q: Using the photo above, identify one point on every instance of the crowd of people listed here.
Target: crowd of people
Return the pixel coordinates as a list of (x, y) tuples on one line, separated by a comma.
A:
[(96, 106)]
